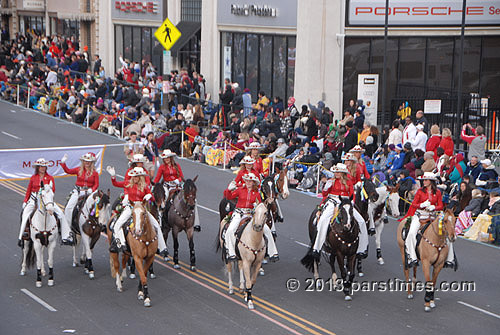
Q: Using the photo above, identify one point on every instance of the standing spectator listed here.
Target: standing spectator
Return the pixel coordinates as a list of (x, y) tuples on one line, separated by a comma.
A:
[(97, 65), (421, 119), (434, 140), (420, 139), (410, 131), (477, 141), (247, 102), (294, 112), (395, 136), (351, 137), (133, 146), (447, 142), (151, 153), (226, 97), (359, 119)]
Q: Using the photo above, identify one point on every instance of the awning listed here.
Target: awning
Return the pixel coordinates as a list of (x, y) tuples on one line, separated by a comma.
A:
[(76, 16), (188, 30), (6, 11)]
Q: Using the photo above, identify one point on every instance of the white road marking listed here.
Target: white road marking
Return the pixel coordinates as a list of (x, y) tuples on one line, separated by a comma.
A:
[(37, 299), (208, 209), (480, 309), (302, 244), (13, 111), (13, 136)]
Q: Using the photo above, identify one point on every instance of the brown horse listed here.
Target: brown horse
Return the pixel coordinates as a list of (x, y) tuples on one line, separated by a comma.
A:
[(180, 216), (251, 248), (433, 250), (114, 261), (143, 243)]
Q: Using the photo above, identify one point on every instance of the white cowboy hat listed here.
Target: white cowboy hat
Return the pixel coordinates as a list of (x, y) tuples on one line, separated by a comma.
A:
[(41, 162), (339, 168), (253, 145), (251, 176), (138, 158), (167, 153), (357, 148), (137, 171), (88, 157), (247, 160), (427, 176), (350, 157)]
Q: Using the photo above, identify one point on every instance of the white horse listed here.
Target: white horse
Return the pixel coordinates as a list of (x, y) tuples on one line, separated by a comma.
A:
[(44, 232), (92, 218), (377, 213)]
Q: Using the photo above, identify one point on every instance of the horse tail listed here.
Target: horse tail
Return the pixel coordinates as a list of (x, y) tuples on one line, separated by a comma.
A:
[(31, 255), (308, 260), (217, 241)]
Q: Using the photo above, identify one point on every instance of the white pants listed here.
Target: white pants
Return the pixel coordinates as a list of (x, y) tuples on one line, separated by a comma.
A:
[(230, 236), (125, 216), (411, 241), (70, 206), (30, 207), (324, 222)]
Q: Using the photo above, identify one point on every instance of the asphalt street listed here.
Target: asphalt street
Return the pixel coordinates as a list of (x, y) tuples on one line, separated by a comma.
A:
[(185, 302)]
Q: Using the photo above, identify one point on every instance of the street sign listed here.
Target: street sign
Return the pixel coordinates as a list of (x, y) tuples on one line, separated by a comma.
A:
[(167, 34)]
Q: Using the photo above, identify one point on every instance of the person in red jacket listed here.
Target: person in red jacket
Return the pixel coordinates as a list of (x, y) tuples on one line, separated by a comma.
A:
[(357, 151), (434, 140), (87, 182), (30, 199), (137, 160), (447, 142), (428, 200), (355, 171), (253, 150), (335, 188), (246, 164), (248, 197), (136, 190)]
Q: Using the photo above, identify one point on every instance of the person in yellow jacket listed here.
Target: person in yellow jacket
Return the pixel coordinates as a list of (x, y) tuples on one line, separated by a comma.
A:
[(404, 110)]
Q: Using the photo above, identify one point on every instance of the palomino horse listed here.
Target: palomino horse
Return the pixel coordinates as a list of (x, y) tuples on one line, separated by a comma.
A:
[(251, 248), (341, 242), (143, 243), (44, 232), (180, 216), (433, 250), (87, 227)]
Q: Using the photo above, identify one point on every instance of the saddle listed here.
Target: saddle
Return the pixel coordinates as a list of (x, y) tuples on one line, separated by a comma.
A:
[(75, 226), (424, 224), (243, 223)]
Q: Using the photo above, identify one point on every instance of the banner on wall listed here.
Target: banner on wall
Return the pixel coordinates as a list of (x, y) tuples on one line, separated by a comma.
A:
[(17, 164), (368, 92), (227, 63)]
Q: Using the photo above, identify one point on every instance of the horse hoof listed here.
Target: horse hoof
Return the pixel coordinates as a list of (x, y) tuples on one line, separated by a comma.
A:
[(410, 296), (91, 275), (264, 261), (427, 309), (361, 274), (75, 265), (140, 295), (241, 291), (433, 304), (261, 272), (250, 304), (131, 276), (380, 261), (347, 298), (177, 266), (166, 259), (147, 302), (193, 268), (50, 283), (119, 289), (38, 284), (22, 273), (86, 271), (152, 276), (231, 291)]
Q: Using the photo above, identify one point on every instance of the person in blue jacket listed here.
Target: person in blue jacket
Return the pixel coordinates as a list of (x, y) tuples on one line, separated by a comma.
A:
[(397, 164), (473, 168)]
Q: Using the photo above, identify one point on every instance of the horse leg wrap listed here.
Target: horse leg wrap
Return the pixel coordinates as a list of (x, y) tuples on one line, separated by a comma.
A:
[(249, 294), (90, 267), (176, 256), (428, 296), (146, 294), (139, 287), (39, 275), (87, 264), (51, 273), (379, 253)]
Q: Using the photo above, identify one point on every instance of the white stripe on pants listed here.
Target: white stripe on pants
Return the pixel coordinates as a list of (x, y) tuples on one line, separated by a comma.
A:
[(271, 245), (230, 238), (65, 228), (70, 206), (28, 209)]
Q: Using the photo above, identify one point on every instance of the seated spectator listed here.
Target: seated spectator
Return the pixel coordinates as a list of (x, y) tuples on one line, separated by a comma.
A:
[(461, 198), (488, 178), (473, 168), (429, 164), (458, 169), (470, 211)]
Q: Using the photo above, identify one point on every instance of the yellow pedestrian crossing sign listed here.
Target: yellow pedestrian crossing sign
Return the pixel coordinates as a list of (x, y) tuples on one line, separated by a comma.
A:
[(167, 34)]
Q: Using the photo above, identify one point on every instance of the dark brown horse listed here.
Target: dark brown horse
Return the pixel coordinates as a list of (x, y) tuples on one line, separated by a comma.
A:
[(180, 215), (341, 242)]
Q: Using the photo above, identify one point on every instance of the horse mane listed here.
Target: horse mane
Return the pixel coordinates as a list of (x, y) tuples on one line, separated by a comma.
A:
[(189, 185)]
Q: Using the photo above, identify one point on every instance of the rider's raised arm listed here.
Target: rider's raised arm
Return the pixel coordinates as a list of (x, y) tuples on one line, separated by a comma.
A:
[(73, 171), (117, 183)]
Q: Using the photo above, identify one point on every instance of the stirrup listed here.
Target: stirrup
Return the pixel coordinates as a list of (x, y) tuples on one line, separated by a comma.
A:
[(232, 258)]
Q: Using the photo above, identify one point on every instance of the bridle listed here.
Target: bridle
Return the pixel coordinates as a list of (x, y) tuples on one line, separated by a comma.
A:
[(336, 221)]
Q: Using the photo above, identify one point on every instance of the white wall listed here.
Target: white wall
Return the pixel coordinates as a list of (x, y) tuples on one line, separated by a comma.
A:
[(319, 59), (210, 47), (106, 42)]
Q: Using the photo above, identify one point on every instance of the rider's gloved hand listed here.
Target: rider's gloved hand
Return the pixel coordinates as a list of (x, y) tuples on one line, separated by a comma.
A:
[(111, 170), (358, 184), (425, 204), (147, 197), (430, 208), (64, 158), (328, 184), (232, 186)]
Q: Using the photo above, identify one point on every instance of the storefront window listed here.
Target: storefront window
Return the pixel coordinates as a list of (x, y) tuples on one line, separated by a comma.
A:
[(239, 59), (226, 56), (291, 66), (266, 64), (490, 69), (412, 66), (127, 39), (136, 44), (356, 61), (471, 60), (377, 66), (252, 63), (439, 67), (146, 44), (118, 45), (280, 59)]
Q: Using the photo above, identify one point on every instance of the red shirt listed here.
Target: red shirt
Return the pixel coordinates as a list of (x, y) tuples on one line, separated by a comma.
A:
[(257, 166), (357, 177), (127, 177), (169, 173), (246, 198), (364, 171), (34, 184), (433, 144), (447, 144), (422, 195), (133, 192), (192, 133), (338, 188), (83, 180), (243, 172)]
